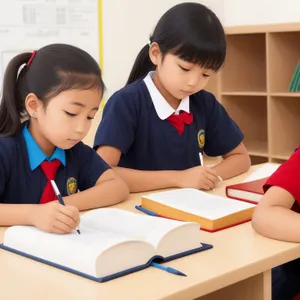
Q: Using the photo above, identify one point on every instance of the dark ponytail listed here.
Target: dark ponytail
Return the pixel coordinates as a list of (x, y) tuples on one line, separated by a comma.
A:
[(142, 65), (12, 108), (54, 68), (190, 31)]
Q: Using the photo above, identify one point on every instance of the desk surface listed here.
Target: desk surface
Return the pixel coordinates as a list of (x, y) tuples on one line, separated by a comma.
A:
[(238, 253)]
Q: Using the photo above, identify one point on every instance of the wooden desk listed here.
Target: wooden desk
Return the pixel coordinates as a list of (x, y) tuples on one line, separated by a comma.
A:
[(237, 268)]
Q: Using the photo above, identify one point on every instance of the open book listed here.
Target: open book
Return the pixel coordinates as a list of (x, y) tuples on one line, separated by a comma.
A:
[(112, 243), (213, 213)]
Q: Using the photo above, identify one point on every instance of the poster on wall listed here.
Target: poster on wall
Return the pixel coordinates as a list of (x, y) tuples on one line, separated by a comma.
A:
[(27, 25)]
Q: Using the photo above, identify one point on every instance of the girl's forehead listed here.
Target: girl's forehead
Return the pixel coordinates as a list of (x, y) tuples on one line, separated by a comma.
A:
[(84, 97)]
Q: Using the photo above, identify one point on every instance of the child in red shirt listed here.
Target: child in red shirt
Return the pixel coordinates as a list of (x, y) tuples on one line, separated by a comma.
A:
[(277, 216)]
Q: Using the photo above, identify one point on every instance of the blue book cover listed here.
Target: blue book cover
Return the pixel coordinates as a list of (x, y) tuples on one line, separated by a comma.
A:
[(158, 259), (112, 243)]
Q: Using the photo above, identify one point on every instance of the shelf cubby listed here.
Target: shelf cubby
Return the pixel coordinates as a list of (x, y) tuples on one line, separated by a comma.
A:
[(245, 66), (284, 126), (283, 56), (250, 114)]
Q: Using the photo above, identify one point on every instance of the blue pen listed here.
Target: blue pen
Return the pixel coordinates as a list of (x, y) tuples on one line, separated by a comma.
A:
[(146, 211), (60, 199), (168, 269)]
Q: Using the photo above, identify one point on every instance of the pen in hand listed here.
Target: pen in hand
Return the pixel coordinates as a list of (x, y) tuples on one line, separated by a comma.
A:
[(202, 164), (60, 199), (201, 159)]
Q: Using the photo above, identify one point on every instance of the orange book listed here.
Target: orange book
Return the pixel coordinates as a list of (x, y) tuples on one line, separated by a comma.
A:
[(212, 212), (251, 191)]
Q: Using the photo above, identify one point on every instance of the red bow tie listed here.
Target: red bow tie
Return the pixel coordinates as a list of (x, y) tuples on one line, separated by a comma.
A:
[(49, 168), (178, 121)]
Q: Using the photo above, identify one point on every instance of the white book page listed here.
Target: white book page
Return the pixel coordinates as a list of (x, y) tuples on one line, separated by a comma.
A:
[(78, 251), (199, 203), (262, 172), (147, 228)]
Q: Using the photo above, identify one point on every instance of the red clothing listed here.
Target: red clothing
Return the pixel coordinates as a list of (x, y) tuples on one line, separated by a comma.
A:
[(287, 176)]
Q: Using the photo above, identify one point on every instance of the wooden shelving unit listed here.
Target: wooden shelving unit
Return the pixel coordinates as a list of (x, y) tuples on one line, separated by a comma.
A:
[(253, 87)]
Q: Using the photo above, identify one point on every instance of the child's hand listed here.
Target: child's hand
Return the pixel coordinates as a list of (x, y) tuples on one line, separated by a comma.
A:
[(202, 178), (56, 218)]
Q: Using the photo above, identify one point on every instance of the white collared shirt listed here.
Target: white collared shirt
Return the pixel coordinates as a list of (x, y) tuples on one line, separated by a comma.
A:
[(162, 107)]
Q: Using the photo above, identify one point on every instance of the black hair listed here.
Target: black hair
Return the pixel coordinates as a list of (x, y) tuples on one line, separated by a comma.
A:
[(190, 31), (53, 69)]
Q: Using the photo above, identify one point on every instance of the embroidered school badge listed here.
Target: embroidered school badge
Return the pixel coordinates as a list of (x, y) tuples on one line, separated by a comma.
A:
[(71, 186), (201, 138)]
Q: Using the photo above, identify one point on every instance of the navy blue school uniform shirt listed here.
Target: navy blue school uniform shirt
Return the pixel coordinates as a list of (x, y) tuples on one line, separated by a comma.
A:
[(135, 121), (22, 180)]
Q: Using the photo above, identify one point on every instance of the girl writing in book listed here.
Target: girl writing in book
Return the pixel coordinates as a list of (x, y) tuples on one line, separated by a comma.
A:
[(277, 216), (154, 128), (58, 90)]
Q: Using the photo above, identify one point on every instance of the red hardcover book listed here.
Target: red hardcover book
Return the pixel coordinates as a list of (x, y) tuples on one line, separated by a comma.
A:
[(251, 191)]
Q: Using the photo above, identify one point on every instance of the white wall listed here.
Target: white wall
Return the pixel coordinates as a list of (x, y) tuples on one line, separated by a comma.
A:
[(255, 12)]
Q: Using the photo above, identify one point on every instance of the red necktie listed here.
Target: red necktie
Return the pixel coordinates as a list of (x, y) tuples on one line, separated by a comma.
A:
[(178, 121), (49, 168)]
